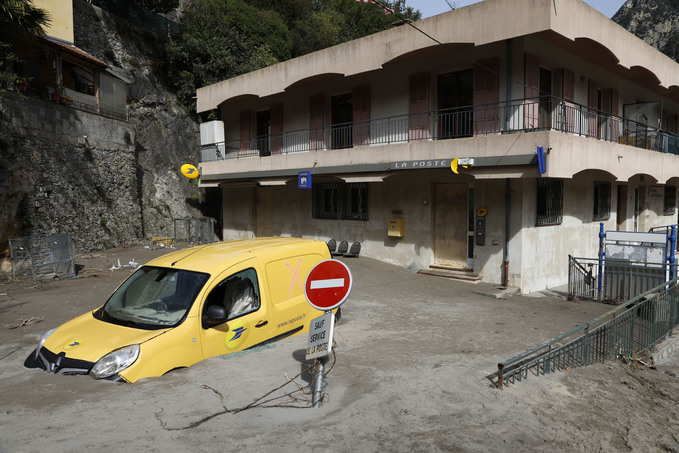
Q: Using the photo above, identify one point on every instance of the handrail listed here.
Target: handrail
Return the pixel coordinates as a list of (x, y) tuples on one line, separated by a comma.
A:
[(529, 355), (545, 113)]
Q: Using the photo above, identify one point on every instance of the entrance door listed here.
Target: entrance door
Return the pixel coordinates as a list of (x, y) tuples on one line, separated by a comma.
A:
[(545, 119), (622, 206), (450, 223), (455, 98), (342, 117), (264, 133)]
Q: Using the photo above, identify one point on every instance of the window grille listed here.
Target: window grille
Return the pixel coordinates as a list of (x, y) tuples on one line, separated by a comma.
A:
[(340, 201), (602, 200), (549, 202)]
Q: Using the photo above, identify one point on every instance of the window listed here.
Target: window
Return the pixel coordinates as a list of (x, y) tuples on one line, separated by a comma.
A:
[(670, 200), (238, 293), (549, 207), (602, 200), (340, 201)]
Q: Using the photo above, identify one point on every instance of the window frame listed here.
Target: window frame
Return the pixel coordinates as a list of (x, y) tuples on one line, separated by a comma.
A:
[(340, 201), (549, 201), (601, 201), (670, 200)]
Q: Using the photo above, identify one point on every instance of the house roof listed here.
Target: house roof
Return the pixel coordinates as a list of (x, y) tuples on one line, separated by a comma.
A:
[(73, 50)]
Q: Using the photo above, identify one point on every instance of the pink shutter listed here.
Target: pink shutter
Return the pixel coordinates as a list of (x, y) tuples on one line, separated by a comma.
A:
[(568, 89), (616, 124), (531, 91), (361, 97), (486, 82), (316, 122), (593, 104), (245, 130), (277, 129), (419, 106)]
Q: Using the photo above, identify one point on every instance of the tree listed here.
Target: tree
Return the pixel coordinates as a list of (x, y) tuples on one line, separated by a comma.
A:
[(219, 39), (160, 6), (19, 20)]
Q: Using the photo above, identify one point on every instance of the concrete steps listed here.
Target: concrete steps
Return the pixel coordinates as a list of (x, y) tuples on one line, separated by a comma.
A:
[(449, 272)]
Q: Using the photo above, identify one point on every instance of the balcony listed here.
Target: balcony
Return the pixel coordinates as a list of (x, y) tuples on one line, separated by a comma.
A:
[(547, 113)]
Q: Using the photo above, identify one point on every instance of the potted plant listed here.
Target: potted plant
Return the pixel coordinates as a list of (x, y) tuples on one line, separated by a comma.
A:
[(56, 96), (67, 100)]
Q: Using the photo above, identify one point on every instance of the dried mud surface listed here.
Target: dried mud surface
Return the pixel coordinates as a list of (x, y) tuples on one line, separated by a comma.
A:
[(412, 355)]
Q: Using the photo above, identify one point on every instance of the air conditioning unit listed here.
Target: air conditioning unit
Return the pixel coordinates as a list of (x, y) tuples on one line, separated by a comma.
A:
[(211, 132)]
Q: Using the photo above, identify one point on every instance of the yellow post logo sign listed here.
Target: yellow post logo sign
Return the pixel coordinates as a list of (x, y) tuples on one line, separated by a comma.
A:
[(190, 171), (238, 332)]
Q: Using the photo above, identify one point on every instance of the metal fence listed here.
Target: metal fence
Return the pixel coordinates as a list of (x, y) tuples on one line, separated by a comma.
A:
[(621, 280), (548, 113), (42, 255), (630, 329), (195, 230)]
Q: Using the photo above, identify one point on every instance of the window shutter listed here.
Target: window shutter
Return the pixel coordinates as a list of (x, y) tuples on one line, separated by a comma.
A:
[(276, 128), (362, 115), (316, 122), (245, 130), (531, 90), (419, 106), (593, 104), (486, 83), (569, 85)]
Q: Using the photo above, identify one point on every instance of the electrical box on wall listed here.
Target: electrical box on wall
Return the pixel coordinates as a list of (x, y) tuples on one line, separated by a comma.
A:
[(396, 228)]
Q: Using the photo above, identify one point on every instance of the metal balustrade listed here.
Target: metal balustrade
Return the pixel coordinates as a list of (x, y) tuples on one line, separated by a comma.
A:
[(629, 329), (547, 113)]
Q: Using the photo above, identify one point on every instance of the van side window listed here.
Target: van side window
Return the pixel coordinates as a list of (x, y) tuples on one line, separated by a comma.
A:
[(238, 293)]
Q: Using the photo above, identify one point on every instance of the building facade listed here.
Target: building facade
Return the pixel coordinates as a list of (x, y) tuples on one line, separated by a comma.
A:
[(492, 139)]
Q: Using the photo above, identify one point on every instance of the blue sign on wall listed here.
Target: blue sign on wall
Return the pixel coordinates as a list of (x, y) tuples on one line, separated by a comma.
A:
[(542, 167), (304, 180)]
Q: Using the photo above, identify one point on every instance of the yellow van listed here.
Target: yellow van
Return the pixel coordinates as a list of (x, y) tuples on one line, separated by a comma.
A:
[(186, 306)]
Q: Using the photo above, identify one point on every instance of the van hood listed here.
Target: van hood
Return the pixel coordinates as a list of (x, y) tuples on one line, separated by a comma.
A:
[(87, 338)]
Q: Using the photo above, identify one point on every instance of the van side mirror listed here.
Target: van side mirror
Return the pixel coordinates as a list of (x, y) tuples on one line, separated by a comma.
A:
[(216, 314)]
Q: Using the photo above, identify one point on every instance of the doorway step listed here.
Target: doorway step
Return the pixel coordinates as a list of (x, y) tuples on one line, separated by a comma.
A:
[(451, 272)]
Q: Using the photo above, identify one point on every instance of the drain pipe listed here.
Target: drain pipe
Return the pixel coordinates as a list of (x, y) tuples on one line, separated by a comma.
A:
[(505, 274)]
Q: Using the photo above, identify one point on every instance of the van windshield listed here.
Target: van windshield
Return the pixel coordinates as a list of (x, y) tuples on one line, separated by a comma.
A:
[(153, 298)]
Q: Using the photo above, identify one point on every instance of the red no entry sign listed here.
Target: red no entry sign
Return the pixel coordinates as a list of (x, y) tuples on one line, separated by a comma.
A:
[(328, 285)]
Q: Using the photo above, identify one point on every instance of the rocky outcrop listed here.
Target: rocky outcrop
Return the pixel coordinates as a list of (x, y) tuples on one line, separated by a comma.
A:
[(654, 21), (106, 182)]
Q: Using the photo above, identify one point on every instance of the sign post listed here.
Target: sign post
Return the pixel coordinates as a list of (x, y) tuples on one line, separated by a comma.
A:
[(327, 287)]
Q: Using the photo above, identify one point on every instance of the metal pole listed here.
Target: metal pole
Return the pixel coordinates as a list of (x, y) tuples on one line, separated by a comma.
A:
[(602, 235), (318, 384), (500, 375)]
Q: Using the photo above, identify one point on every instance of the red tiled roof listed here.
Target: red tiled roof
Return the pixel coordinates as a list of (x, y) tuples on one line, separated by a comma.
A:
[(73, 50)]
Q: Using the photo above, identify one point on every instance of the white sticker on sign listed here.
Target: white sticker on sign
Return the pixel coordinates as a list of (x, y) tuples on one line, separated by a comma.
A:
[(329, 283), (320, 336)]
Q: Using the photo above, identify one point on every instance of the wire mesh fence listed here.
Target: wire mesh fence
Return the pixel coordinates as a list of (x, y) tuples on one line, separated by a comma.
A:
[(42, 255), (195, 230)]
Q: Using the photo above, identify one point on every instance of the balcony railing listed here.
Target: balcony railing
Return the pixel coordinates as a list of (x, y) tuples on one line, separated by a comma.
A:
[(546, 113)]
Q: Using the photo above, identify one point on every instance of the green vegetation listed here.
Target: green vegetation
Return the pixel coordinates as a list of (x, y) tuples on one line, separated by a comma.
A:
[(19, 19), (220, 39)]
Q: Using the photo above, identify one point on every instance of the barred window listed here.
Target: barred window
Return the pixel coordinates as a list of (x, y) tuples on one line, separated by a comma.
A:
[(602, 200), (670, 200), (549, 205), (340, 201)]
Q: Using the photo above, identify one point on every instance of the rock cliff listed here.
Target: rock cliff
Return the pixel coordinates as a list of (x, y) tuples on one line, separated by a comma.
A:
[(105, 182), (654, 21)]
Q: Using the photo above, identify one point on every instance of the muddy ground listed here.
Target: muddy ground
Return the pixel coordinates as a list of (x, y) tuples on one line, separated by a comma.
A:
[(412, 355)]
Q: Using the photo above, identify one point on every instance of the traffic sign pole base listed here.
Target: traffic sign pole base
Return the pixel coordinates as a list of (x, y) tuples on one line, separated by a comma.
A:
[(318, 381)]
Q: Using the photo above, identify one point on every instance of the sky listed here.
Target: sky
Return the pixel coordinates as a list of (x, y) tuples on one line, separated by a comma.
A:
[(433, 7)]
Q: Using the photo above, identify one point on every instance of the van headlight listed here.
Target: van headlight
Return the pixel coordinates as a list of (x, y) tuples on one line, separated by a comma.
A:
[(42, 341), (115, 362)]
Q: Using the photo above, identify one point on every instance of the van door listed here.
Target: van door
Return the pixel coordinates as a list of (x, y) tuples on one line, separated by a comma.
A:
[(237, 290), (291, 312)]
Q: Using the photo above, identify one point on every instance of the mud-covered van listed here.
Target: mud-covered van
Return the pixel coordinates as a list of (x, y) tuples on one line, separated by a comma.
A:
[(186, 306)]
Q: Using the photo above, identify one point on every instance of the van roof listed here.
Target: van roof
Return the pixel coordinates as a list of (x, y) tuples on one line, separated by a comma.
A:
[(214, 258)]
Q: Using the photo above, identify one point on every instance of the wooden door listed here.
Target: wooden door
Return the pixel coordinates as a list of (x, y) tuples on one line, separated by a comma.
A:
[(450, 243)]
